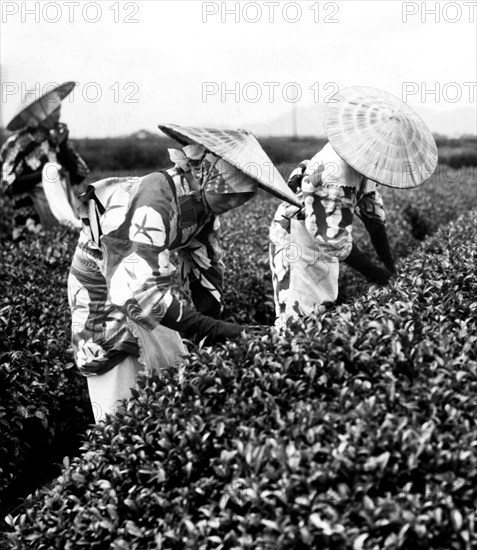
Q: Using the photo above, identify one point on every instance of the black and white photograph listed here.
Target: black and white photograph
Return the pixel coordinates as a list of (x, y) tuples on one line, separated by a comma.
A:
[(238, 305)]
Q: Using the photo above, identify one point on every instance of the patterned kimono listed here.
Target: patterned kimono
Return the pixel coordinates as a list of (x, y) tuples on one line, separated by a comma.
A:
[(23, 155), (306, 246), (120, 280)]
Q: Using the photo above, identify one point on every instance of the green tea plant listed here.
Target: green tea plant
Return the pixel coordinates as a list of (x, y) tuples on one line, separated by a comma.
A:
[(353, 430), (43, 403), (41, 391)]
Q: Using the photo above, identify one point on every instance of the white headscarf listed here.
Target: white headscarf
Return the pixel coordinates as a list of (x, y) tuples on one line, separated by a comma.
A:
[(224, 187)]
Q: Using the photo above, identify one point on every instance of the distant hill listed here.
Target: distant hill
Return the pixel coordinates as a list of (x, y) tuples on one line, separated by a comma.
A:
[(452, 122)]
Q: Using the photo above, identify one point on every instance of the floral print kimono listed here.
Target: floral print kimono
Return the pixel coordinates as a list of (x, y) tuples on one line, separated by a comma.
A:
[(23, 156), (120, 279), (306, 246)]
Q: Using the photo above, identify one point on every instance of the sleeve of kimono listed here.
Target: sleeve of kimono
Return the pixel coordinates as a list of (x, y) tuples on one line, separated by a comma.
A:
[(138, 268), (202, 270), (26, 182), (329, 191), (280, 251), (296, 177), (73, 163), (359, 261), (8, 158), (280, 227), (370, 205), (370, 209), (22, 163), (2, 162)]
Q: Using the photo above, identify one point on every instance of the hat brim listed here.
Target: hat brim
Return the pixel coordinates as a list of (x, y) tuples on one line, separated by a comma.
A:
[(381, 137), (241, 149), (39, 109)]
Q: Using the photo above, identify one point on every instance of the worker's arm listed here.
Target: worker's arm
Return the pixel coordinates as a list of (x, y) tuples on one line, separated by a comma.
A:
[(370, 209), (202, 270)]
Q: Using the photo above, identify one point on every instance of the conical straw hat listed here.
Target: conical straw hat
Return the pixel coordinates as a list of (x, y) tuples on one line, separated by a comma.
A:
[(241, 149), (39, 109), (380, 136)]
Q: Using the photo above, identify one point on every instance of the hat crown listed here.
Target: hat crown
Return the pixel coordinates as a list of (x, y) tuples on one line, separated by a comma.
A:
[(380, 136)]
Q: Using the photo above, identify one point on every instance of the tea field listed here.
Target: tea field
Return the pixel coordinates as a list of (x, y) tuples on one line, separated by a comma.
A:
[(355, 430)]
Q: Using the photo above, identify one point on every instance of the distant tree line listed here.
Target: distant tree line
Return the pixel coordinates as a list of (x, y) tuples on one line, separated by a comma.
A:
[(131, 153), (145, 150)]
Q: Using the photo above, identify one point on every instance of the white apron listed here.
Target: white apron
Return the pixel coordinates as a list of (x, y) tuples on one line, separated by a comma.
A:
[(313, 278), (158, 349), (60, 197)]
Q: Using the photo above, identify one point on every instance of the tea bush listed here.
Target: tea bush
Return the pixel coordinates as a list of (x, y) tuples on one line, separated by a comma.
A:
[(355, 430), (415, 214), (411, 216), (43, 401)]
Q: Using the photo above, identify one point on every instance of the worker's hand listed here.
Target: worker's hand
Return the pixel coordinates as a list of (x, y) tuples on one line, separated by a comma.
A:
[(296, 177), (379, 276), (228, 331), (198, 327), (72, 224), (233, 332), (359, 261), (391, 266), (61, 133), (254, 330)]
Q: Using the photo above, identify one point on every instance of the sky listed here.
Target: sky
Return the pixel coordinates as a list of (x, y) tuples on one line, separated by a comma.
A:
[(233, 64)]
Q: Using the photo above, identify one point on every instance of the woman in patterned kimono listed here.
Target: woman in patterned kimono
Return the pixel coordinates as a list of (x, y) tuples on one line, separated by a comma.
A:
[(124, 315), (34, 155), (306, 246), (373, 138)]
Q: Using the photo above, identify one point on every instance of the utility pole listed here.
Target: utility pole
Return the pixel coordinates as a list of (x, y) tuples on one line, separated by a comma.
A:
[(294, 123)]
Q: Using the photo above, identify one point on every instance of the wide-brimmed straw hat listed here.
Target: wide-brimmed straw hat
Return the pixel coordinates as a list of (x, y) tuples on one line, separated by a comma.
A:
[(38, 109), (380, 136), (241, 149)]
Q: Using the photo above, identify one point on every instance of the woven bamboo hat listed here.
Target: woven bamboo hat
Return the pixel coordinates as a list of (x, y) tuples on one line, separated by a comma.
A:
[(241, 149), (38, 109), (380, 136)]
